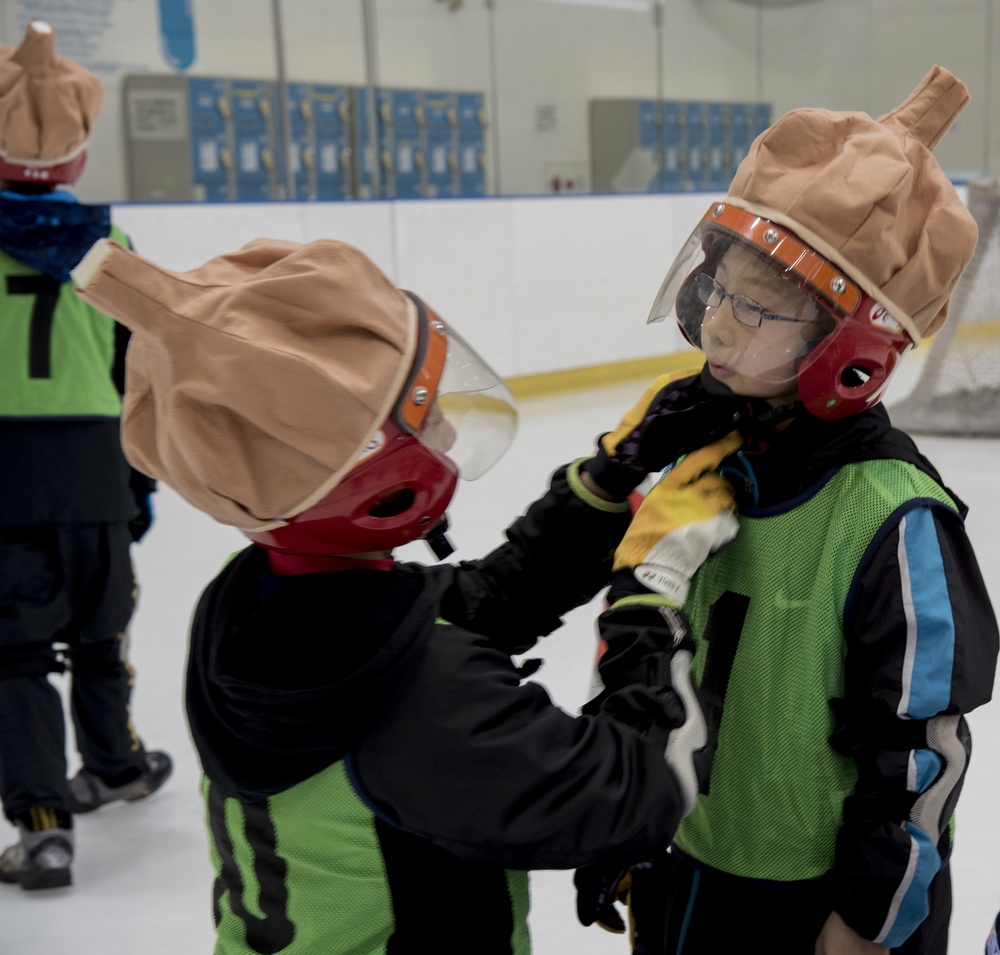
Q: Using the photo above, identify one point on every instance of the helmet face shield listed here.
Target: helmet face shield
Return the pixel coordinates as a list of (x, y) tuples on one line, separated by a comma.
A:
[(764, 307), (459, 407)]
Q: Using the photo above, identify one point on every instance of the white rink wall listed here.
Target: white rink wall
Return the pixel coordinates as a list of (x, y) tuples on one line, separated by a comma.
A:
[(534, 284)]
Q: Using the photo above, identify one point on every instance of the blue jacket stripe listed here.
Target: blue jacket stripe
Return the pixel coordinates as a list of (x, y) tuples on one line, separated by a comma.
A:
[(910, 904), (930, 642), (926, 769)]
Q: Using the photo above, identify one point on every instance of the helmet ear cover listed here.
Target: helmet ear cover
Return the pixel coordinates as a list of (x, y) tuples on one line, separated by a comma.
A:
[(390, 499), (848, 371)]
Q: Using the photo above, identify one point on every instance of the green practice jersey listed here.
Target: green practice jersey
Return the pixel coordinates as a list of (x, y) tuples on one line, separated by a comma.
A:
[(303, 873), (57, 351), (767, 615)]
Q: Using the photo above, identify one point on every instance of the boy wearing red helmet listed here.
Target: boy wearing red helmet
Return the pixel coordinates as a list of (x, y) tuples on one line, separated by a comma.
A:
[(847, 630), (70, 505), (367, 741)]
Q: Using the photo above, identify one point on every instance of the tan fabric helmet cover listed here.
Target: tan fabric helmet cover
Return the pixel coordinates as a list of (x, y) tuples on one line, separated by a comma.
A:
[(255, 381), (48, 103), (870, 196)]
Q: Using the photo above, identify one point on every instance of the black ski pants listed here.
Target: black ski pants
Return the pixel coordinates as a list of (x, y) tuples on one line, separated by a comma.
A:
[(67, 593)]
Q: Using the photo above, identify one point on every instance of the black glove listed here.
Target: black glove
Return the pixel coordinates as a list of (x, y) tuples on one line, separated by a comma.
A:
[(143, 516), (597, 891), (641, 889), (646, 677), (670, 419)]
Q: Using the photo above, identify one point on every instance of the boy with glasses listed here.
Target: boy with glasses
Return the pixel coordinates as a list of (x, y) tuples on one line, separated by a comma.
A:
[(847, 630)]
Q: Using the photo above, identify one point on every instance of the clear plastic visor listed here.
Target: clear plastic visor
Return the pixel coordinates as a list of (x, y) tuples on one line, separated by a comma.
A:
[(753, 298), (473, 416)]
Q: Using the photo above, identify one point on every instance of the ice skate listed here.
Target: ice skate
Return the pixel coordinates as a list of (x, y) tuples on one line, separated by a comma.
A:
[(88, 791), (41, 860)]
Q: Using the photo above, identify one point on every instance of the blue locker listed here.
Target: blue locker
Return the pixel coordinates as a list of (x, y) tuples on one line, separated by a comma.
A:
[(761, 117), (717, 167), (471, 144), (259, 165), (363, 156), (402, 156), (439, 144), (300, 152), (651, 141), (407, 146), (673, 146), (210, 118), (331, 109), (695, 117), (386, 142), (740, 134)]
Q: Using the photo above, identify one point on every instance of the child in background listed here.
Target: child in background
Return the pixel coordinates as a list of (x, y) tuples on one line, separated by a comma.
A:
[(70, 505), (847, 631), (378, 778)]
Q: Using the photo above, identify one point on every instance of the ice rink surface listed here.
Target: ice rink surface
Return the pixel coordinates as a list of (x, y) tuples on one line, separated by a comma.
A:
[(142, 873)]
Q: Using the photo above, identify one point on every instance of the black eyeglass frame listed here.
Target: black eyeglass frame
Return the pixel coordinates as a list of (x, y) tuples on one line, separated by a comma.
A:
[(711, 293)]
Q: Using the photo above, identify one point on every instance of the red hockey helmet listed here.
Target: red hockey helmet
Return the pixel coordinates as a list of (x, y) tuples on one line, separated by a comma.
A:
[(65, 172), (825, 335), (454, 418), (50, 106)]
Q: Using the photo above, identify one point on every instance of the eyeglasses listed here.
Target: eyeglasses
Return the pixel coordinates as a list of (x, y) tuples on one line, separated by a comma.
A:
[(745, 310)]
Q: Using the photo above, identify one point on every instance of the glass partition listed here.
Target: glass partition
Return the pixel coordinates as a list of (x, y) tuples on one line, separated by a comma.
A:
[(276, 100)]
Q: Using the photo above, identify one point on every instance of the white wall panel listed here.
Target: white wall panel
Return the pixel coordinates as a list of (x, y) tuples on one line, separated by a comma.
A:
[(537, 285), (459, 256)]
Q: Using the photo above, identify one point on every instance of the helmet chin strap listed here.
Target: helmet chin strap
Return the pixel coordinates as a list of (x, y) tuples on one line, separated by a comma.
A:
[(758, 413), (770, 415), (437, 539)]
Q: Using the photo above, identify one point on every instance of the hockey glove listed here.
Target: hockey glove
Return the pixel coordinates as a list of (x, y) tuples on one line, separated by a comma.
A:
[(597, 891), (142, 488), (646, 672), (646, 675), (688, 515), (142, 518), (673, 416)]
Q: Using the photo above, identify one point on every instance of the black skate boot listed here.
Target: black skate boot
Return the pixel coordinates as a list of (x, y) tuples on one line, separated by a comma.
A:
[(88, 791), (42, 858)]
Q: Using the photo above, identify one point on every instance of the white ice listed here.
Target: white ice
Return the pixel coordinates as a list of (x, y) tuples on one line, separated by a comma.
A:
[(142, 874)]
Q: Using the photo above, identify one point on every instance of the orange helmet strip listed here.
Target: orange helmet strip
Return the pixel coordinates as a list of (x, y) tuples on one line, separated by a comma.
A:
[(416, 403), (778, 243)]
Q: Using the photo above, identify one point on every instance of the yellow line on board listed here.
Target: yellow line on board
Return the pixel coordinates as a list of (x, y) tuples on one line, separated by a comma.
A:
[(978, 330), (597, 376), (646, 369)]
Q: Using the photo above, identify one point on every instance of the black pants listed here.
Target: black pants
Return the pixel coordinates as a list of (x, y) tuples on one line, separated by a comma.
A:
[(67, 592), (681, 910)]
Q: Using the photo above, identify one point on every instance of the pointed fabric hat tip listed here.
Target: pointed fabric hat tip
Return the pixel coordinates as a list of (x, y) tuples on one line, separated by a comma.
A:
[(36, 53), (929, 111)]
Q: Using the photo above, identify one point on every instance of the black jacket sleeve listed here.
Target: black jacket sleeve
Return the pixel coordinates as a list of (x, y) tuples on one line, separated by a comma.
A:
[(921, 652), (557, 556), (475, 761)]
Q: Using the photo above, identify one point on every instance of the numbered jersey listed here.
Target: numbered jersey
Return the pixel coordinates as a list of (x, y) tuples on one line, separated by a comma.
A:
[(770, 658), (57, 353), (61, 378)]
